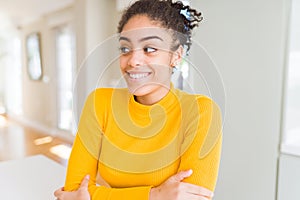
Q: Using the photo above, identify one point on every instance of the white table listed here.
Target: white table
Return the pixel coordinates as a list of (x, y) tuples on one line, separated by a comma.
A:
[(30, 178)]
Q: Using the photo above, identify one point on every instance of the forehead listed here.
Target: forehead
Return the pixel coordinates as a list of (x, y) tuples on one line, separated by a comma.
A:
[(140, 21), (140, 26)]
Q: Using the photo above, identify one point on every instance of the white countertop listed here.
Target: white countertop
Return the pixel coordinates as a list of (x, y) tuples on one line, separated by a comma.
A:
[(30, 178)]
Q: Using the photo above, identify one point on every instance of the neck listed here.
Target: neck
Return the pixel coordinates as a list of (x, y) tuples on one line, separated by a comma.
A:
[(154, 97)]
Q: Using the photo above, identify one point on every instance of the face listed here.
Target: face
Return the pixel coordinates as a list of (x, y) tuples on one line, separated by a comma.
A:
[(146, 59)]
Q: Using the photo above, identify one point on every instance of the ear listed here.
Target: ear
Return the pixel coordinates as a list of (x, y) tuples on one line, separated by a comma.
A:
[(177, 56)]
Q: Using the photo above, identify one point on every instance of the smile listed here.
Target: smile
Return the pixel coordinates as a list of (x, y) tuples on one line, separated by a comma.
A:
[(138, 75)]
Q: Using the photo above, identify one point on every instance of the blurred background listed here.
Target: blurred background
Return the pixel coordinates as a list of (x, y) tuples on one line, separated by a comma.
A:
[(255, 49)]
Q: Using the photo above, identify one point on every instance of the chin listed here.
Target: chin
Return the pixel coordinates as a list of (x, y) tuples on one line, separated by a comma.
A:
[(142, 90)]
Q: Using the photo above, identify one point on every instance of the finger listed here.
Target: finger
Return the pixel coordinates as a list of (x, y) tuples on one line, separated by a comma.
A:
[(182, 175), (194, 197), (203, 198), (85, 182), (58, 192), (199, 190)]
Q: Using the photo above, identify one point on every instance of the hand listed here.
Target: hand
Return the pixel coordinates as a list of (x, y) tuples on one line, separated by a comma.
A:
[(174, 189), (81, 194)]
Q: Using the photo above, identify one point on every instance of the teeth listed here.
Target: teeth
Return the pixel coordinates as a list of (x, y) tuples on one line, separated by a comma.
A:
[(137, 76)]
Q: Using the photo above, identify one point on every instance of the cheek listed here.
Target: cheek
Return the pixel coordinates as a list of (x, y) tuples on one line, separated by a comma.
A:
[(165, 64), (166, 58), (163, 72), (123, 63)]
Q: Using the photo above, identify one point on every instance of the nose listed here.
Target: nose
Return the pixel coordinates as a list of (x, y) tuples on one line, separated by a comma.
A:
[(136, 58)]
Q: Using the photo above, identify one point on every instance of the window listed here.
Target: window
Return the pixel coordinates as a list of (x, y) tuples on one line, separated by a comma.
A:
[(180, 75), (10, 75), (65, 64)]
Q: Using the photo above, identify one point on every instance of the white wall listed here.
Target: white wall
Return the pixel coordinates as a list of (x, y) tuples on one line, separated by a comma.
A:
[(96, 22), (246, 39), (39, 97), (101, 25)]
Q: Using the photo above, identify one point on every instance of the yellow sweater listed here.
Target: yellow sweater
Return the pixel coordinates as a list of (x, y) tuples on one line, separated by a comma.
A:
[(134, 147)]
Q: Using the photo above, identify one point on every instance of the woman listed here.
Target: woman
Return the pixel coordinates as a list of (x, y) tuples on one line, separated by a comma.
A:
[(149, 141)]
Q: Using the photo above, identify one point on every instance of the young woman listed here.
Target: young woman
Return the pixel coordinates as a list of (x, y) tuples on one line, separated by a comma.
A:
[(150, 140)]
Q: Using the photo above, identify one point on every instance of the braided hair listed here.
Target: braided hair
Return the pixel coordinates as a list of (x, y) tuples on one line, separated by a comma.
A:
[(171, 15)]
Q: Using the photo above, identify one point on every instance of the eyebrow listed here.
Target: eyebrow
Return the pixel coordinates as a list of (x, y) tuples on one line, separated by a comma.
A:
[(143, 39)]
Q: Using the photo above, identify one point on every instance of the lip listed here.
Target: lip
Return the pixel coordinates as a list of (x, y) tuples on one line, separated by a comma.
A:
[(138, 75)]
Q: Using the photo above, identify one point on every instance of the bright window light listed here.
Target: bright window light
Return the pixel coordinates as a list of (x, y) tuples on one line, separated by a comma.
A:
[(43, 140), (61, 151), (3, 121)]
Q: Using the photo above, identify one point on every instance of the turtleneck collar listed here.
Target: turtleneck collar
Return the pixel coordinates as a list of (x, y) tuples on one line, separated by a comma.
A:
[(167, 102)]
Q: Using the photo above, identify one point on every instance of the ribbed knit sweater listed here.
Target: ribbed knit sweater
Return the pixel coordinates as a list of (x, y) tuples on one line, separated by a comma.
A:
[(135, 147)]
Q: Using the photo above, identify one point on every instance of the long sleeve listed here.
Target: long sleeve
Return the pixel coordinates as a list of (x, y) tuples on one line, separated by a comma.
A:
[(199, 141), (203, 154), (84, 158), (81, 162)]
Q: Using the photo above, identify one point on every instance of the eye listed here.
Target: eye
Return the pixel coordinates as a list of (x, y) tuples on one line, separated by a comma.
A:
[(124, 50), (149, 50)]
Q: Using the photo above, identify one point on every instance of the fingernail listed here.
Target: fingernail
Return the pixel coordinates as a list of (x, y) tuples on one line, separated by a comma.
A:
[(87, 176), (190, 171)]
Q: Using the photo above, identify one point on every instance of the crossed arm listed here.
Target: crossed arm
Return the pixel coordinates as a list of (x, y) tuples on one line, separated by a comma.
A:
[(78, 188), (195, 179), (172, 189)]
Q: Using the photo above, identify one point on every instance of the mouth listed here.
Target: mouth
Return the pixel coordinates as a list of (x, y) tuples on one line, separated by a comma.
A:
[(138, 76)]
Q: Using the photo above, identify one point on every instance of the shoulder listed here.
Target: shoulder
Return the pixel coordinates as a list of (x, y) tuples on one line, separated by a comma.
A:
[(202, 101), (107, 93), (101, 97), (198, 105), (100, 100)]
